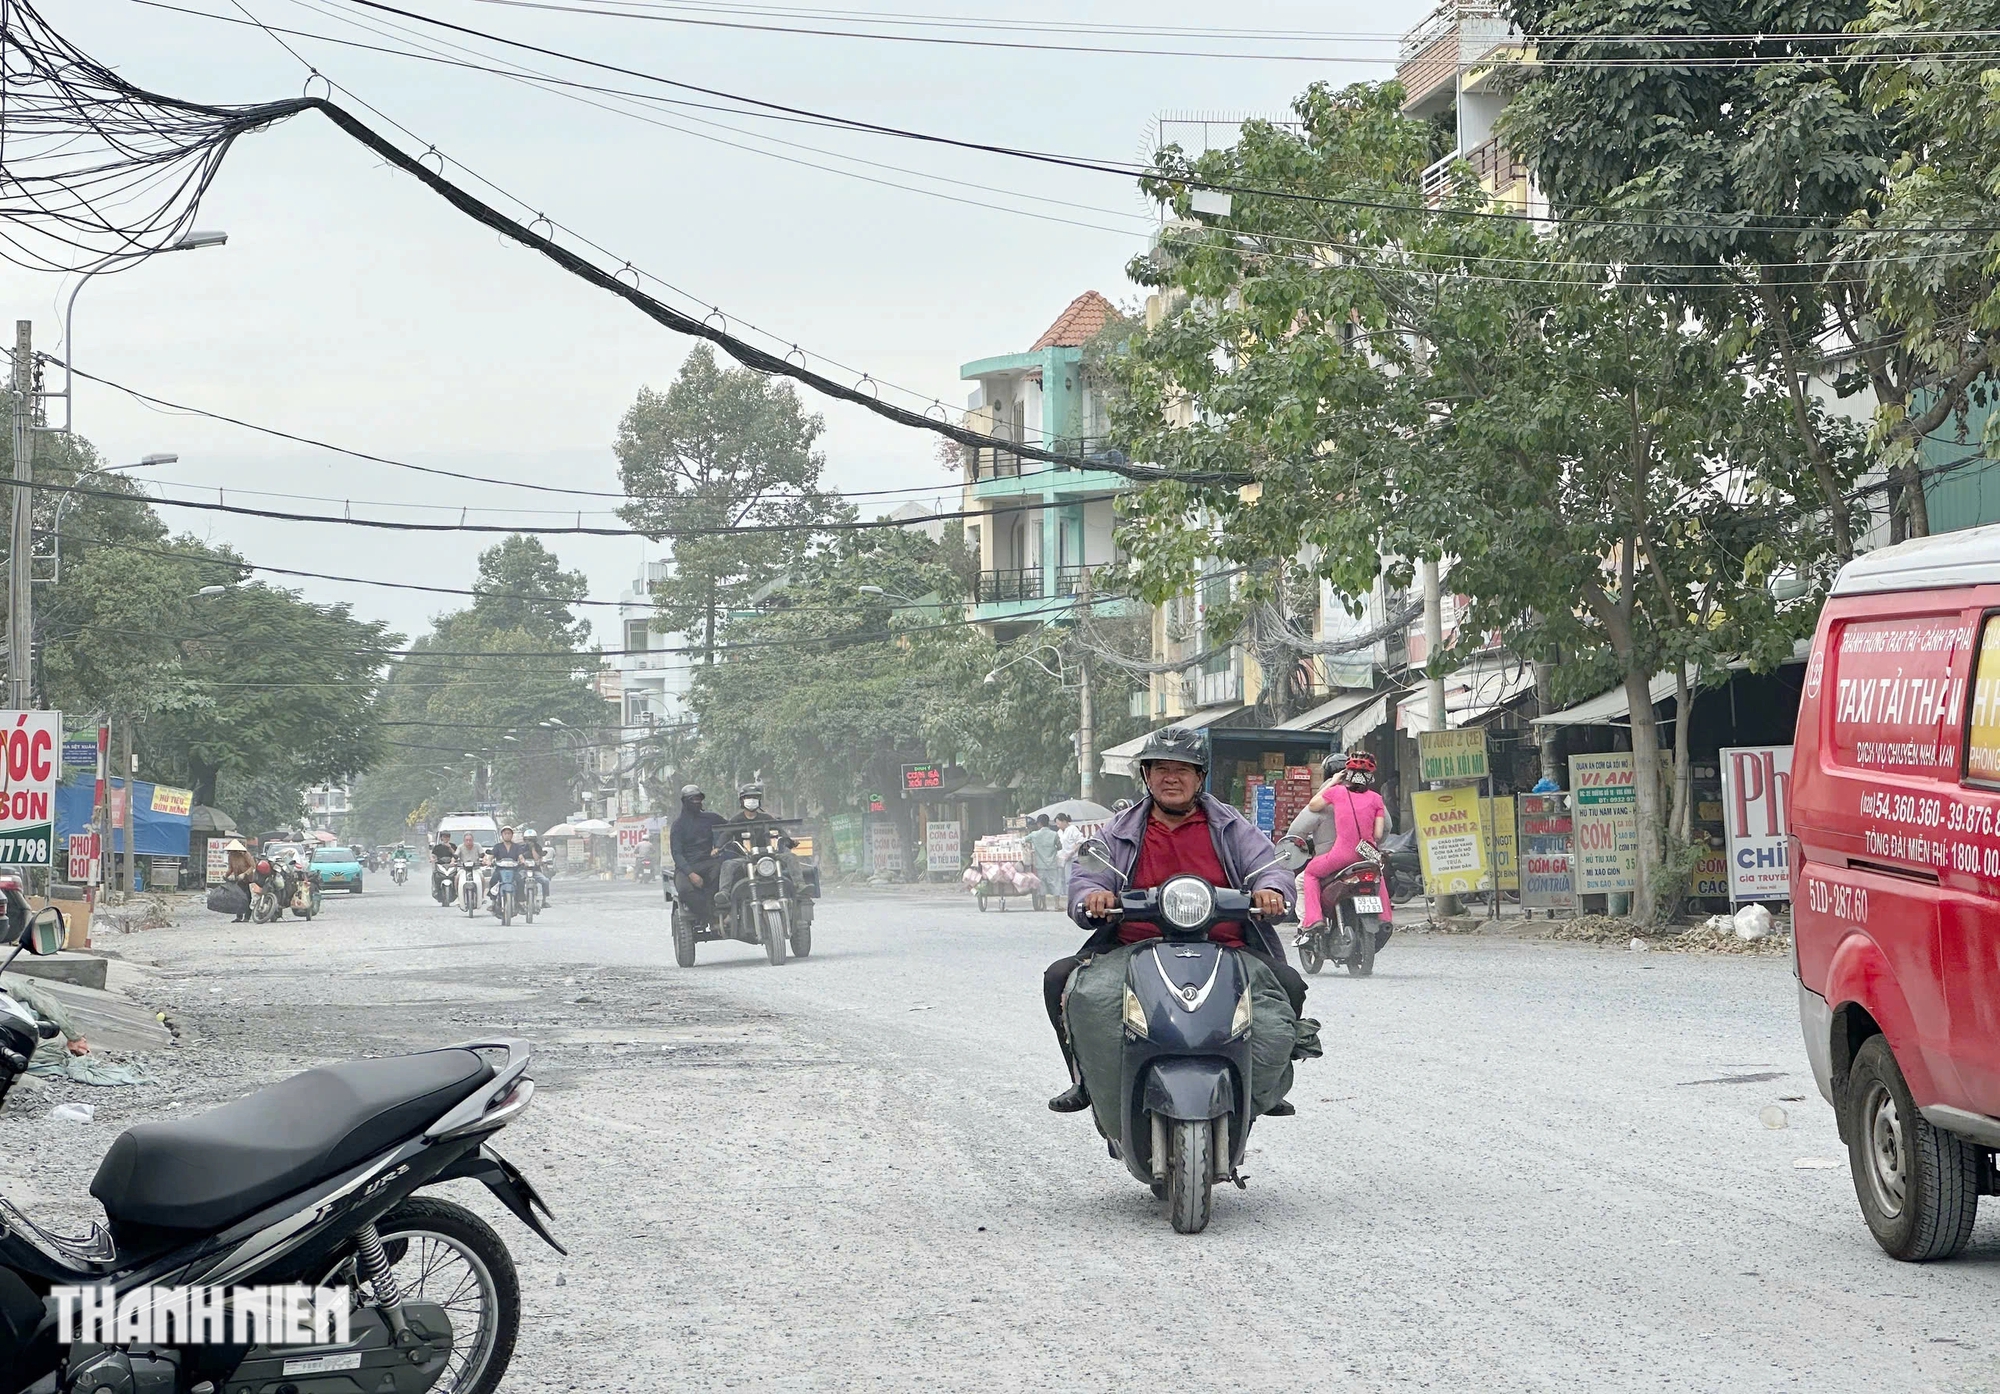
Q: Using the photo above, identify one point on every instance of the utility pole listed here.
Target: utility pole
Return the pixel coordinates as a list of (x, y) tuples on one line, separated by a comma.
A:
[(129, 820), (1086, 728), (21, 561), (1434, 682)]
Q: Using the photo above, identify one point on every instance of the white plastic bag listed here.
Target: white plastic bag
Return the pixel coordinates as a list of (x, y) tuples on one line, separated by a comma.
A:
[(73, 1113), (1752, 922)]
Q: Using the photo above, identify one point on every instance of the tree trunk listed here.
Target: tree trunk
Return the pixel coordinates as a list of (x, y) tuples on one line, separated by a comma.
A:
[(203, 777), (1682, 818), (1546, 736), (1822, 468), (1646, 786), (708, 639)]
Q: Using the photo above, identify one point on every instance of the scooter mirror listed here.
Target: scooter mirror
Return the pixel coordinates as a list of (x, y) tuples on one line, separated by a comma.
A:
[(46, 932), (1294, 853), (1094, 851)]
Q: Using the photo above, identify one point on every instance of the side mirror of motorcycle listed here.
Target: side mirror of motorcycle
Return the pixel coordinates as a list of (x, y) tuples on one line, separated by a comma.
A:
[(45, 933), (1096, 852), (1294, 853)]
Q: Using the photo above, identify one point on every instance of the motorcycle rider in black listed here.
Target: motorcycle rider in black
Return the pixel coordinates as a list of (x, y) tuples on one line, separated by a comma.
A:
[(691, 840), (736, 852)]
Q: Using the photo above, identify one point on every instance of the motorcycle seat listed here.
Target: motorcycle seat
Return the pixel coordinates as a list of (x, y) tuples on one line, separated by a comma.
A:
[(205, 1172)]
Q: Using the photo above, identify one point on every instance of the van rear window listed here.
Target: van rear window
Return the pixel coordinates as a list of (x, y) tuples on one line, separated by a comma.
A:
[(1895, 705)]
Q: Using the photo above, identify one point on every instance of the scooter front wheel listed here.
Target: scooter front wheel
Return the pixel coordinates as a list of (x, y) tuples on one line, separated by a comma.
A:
[(1190, 1173)]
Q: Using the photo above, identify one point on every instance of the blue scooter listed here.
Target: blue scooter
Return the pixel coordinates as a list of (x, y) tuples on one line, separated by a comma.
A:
[(1184, 1098)]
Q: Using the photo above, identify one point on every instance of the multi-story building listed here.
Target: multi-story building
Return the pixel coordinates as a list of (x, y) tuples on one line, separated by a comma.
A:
[(327, 806), (654, 675), (1450, 63), (1038, 529)]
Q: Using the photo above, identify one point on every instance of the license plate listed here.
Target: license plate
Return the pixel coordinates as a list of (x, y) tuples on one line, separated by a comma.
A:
[(1368, 904), (774, 905)]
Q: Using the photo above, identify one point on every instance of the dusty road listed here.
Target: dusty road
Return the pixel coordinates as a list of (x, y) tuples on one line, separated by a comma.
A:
[(1520, 1166)]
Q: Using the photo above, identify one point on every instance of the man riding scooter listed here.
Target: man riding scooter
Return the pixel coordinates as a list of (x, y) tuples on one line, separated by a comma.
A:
[(1176, 829), (691, 840)]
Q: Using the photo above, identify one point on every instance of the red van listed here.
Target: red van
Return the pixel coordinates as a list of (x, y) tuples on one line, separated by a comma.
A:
[(1895, 878)]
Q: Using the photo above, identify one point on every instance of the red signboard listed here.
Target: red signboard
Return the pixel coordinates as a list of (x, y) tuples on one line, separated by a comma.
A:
[(923, 777)]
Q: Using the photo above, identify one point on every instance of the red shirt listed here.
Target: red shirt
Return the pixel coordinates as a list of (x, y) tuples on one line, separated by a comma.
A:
[(1167, 852)]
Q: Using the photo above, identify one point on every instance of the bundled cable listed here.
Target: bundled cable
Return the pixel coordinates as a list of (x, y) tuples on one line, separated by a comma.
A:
[(96, 170)]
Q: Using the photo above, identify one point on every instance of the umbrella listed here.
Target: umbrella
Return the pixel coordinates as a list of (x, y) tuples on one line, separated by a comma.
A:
[(561, 830), (593, 827), (321, 835), (1079, 811)]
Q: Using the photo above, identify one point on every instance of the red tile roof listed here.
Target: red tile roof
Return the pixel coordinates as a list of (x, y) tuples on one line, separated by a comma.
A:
[(1079, 324)]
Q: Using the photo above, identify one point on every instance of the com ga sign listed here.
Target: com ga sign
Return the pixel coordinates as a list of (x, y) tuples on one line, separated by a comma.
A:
[(29, 765)]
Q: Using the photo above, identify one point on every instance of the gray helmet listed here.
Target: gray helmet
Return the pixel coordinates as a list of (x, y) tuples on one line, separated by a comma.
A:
[(1333, 764), (1175, 743), (691, 791)]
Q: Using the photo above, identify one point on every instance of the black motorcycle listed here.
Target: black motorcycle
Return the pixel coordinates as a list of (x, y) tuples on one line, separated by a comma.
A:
[(311, 1181), (1350, 900), (1404, 866), (444, 882), (1184, 1084), (769, 901)]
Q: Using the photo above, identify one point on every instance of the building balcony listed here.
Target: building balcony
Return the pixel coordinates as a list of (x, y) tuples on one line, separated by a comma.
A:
[(996, 587), (1500, 172), (1453, 37)]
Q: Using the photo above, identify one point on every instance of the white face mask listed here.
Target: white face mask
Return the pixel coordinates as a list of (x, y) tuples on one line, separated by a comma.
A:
[(751, 805)]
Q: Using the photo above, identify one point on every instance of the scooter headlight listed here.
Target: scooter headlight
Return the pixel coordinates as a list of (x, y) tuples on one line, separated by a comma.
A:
[(1187, 902), (767, 866), (1135, 1012), (1239, 1025)]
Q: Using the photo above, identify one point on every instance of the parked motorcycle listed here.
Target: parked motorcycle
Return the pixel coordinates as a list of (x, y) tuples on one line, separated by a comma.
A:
[(211, 1200), (1405, 866), (306, 894), (269, 893), (1351, 931), (769, 903), (1184, 1083)]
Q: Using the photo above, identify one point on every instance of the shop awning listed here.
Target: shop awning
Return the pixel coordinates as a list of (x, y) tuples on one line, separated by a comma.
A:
[(1469, 694), (1328, 713), (1123, 759), (1609, 708)]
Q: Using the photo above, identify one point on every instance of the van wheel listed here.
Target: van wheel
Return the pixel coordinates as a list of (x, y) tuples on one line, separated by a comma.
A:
[(1918, 1185)]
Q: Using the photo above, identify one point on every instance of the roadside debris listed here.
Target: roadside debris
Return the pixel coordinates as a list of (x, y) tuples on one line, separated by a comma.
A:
[(1814, 1164), (1773, 1117), (73, 1113)]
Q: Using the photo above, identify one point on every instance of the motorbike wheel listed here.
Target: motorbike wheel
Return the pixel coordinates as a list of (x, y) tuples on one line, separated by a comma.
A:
[(802, 937), (1362, 964), (503, 906), (443, 1253), (1190, 1174), (683, 938), (1310, 956), (982, 900), (267, 909), (774, 936)]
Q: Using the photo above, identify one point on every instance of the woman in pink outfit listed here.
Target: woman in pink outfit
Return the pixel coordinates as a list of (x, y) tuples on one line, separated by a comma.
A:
[(1355, 811)]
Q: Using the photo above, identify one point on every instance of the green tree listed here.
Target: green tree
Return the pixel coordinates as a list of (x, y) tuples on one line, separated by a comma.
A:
[(1608, 475), (721, 449)]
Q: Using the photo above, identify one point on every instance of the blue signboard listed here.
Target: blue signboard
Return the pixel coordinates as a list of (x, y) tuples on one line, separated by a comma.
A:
[(80, 753), (1267, 807)]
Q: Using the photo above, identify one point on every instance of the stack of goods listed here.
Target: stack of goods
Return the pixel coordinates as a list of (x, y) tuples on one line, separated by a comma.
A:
[(1295, 791)]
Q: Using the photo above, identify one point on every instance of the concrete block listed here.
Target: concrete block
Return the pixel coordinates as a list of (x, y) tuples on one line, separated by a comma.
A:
[(84, 970)]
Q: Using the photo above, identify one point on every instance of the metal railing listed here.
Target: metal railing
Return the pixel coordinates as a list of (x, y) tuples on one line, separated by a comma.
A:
[(1024, 583), (1069, 579), (990, 462), (1497, 167)]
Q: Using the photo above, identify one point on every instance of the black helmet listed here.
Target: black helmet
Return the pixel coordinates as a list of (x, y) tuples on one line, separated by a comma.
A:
[(1175, 743), (691, 791), (752, 790)]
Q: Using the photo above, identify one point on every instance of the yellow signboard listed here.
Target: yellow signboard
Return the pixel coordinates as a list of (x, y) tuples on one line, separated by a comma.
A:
[(167, 799), (1982, 746), (1449, 755), (1503, 840), (1451, 839)]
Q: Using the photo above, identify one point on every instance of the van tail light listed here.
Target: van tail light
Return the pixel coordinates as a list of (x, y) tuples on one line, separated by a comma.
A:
[(10, 883)]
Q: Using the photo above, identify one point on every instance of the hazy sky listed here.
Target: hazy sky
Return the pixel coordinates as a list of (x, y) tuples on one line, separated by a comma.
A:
[(353, 306)]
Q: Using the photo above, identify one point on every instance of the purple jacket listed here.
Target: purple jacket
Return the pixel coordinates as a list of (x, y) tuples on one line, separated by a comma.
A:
[(1239, 845)]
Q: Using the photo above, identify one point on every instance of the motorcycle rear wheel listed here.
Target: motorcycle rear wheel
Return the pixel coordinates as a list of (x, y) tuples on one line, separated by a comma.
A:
[(802, 938), (1362, 964), (683, 938), (1310, 957), (1190, 1174), (441, 1252)]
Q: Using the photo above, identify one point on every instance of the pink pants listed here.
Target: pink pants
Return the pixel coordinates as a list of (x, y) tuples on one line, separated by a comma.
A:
[(1325, 864)]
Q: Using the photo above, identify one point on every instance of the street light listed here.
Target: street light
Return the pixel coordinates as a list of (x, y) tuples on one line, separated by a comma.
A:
[(190, 242), (63, 503), (209, 590)]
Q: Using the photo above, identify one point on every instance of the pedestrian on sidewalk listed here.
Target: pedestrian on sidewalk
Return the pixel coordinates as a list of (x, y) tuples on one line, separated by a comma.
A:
[(1071, 838), (1045, 845)]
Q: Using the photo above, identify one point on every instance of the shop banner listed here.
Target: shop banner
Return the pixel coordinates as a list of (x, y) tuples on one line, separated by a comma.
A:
[(1756, 817), (1498, 814), (1451, 839), (885, 849), (1605, 814), (83, 868), (1548, 847), (941, 846), (1451, 755), (845, 829), (28, 773), (218, 860), (167, 799)]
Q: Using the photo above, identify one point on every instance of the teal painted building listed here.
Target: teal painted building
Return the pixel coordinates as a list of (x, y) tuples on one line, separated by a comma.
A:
[(1960, 495), (1039, 530)]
